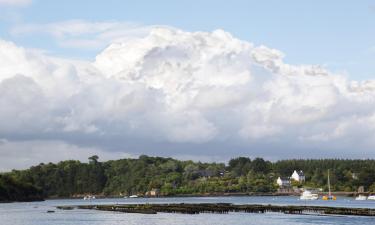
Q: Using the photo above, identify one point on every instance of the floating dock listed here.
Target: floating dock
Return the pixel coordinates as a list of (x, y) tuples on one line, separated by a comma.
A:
[(223, 208)]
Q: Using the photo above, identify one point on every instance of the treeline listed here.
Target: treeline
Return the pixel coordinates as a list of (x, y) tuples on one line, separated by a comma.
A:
[(172, 177), (345, 175), (14, 190)]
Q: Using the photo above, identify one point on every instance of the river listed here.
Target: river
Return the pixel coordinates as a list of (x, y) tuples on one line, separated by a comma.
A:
[(35, 213)]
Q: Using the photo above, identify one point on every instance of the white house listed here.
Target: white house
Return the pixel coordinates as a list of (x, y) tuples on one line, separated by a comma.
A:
[(298, 176), (282, 182)]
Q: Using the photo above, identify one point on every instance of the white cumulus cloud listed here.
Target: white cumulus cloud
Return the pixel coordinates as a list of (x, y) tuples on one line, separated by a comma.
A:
[(171, 92)]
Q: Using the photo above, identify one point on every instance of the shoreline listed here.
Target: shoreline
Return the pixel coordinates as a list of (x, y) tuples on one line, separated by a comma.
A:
[(24, 201), (182, 195), (239, 194)]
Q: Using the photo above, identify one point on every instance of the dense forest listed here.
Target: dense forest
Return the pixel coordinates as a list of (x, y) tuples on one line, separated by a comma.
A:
[(14, 190), (173, 177)]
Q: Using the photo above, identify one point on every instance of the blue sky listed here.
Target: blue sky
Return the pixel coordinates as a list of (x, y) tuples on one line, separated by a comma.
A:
[(336, 34)]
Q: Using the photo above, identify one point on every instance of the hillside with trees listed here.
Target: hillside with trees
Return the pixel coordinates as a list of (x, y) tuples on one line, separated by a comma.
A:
[(176, 177), (14, 190)]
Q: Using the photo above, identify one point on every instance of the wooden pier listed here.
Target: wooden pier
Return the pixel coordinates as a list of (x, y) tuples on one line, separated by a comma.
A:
[(222, 208)]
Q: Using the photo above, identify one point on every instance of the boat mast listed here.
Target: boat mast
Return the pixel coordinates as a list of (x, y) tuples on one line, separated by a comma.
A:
[(329, 185)]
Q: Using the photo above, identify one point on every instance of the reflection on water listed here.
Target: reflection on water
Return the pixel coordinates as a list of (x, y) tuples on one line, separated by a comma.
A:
[(35, 213)]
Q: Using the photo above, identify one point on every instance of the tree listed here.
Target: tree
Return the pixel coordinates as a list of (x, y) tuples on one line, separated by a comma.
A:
[(260, 166), (93, 159), (239, 166)]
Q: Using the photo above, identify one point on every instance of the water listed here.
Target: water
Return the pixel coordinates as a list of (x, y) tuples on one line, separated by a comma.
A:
[(35, 213)]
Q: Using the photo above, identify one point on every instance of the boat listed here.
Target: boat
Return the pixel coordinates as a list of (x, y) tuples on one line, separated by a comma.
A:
[(329, 196), (307, 195), (89, 197), (371, 197), (361, 198), (133, 196)]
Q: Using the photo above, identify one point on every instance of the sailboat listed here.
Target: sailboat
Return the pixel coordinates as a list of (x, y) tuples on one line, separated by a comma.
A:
[(329, 196)]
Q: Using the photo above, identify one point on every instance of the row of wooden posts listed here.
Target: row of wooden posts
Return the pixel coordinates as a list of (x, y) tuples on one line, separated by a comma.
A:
[(225, 208)]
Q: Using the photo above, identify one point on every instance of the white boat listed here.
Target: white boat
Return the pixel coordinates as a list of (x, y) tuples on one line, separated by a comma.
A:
[(307, 195), (361, 198), (371, 197), (133, 196), (89, 197)]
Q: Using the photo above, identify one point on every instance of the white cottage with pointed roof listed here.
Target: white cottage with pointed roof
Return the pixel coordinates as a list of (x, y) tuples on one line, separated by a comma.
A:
[(298, 176)]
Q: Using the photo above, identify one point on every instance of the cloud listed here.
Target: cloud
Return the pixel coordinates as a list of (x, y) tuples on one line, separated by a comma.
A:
[(176, 93), (15, 2), (23, 154), (82, 34)]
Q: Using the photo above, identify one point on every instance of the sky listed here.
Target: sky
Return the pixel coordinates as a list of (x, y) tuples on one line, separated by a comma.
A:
[(202, 80)]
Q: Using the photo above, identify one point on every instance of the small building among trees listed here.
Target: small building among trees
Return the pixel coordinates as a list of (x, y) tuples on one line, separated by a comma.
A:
[(298, 176), (155, 192)]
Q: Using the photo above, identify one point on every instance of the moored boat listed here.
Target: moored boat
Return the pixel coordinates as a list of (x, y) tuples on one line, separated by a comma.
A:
[(361, 198), (329, 196), (308, 195), (89, 197)]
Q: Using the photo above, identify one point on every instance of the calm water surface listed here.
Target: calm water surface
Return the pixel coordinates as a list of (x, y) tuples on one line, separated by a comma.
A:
[(34, 213)]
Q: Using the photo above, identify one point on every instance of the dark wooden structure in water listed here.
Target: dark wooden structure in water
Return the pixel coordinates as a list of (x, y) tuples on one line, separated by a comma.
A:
[(226, 208)]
